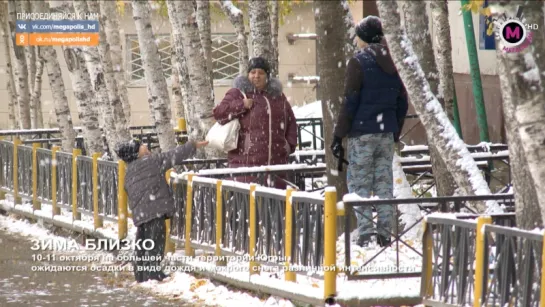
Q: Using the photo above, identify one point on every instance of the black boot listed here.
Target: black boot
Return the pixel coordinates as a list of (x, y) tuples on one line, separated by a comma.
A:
[(364, 240), (383, 240)]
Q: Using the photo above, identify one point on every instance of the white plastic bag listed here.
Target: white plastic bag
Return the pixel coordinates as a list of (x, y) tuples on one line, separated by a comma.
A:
[(224, 137)]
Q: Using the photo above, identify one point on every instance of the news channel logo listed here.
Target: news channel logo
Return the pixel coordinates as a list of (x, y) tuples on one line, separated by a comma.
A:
[(515, 33)]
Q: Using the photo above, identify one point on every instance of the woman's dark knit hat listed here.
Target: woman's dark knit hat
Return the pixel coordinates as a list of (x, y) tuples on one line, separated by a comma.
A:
[(369, 29), (128, 151), (259, 62)]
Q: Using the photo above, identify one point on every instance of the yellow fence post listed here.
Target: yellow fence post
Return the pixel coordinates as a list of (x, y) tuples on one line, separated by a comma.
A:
[(170, 247), (75, 214), (427, 285), (219, 223), (253, 227), (480, 279), (189, 252), (16, 197), (330, 242), (55, 209), (542, 300), (36, 205), (289, 275), (182, 127), (122, 214), (96, 215)]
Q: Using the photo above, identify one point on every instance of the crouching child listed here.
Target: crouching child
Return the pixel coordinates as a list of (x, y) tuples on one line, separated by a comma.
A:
[(150, 200)]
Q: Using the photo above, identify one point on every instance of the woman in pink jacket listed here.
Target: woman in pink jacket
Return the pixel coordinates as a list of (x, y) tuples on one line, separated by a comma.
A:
[(268, 130)]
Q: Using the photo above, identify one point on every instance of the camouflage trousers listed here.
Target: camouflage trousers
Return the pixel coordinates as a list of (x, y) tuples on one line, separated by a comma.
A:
[(370, 173)]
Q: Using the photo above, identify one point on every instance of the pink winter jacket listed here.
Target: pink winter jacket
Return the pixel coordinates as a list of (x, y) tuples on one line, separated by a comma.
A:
[(268, 131)]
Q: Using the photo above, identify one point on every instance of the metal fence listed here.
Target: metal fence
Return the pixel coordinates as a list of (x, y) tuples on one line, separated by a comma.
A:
[(6, 165), (24, 170), (64, 179), (308, 229), (481, 260), (44, 160), (85, 185), (107, 189)]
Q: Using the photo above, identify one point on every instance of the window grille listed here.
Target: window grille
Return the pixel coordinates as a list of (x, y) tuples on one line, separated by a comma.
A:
[(225, 55)]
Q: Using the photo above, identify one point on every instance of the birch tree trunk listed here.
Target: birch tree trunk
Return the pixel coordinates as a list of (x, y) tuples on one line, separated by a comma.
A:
[(177, 98), (417, 27), (108, 10), (85, 99), (439, 129), (181, 64), (62, 108), (21, 72), (260, 29), (56, 84), (443, 55), (94, 67), (523, 97), (274, 38), (12, 97), (36, 97), (351, 45), (120, 122), (237, 20), (151, 60), (205, 31), (202, 96), (30, 53), (330, 40), (527, 207)]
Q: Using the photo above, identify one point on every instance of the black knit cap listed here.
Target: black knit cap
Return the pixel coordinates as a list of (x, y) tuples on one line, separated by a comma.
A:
[(369, 29), (259, 62), (128, 151)]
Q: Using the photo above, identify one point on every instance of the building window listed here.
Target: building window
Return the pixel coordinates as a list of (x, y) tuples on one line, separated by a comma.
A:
[(225, 55), (135, 66)]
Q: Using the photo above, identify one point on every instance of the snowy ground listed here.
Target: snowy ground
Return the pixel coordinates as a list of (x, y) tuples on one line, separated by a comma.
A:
[(205, 291)]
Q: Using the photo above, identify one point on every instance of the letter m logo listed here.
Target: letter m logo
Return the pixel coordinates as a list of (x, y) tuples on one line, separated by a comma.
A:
[(510, 33)]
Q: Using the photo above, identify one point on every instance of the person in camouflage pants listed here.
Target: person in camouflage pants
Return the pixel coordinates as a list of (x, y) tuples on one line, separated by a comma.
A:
[(372, 117), (370, 173)]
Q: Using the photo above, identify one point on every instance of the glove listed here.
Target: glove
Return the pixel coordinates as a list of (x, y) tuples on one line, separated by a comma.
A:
[(337, 147)]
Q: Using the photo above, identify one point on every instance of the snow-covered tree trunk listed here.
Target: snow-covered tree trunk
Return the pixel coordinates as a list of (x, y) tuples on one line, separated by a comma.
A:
[(177, 99), (205, 31), (260, 28), (20, 72), (30, 54), (526, 202), (237, 20), (108, 10), (330, 61), (12, 97), (201, 95), (62, 108), (417, 27), (409, 213), (181, 64), (443, 54), (524, 104), (151, 60), (92, 61), (85, 99), (351, 45), (439, 129), (274, 14), (36, 96), (109, 77)]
